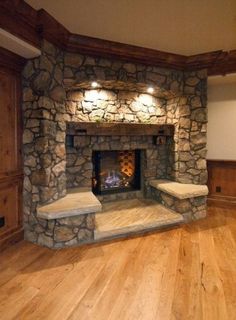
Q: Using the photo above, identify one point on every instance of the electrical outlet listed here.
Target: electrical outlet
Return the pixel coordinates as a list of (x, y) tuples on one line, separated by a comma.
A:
[(218, 189)]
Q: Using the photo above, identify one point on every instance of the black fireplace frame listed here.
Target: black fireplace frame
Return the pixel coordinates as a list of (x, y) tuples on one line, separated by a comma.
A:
[(96, 160)]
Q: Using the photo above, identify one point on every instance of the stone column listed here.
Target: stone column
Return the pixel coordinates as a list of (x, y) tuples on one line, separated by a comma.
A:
[(44, 131), (44, 134), (187, 160)]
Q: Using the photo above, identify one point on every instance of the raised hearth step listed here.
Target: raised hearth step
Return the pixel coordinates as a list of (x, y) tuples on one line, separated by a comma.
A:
[(122, 218), (78, 201), (179, 190)]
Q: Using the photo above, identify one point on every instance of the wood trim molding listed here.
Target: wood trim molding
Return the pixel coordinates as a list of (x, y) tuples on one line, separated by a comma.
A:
[(216, 62), (19, 18), (11, 239), (222, 163), (50, 29), (111, 49), (222, 203)]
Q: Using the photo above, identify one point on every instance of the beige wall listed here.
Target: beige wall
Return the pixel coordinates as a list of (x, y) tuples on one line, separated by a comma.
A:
[(221, 140)]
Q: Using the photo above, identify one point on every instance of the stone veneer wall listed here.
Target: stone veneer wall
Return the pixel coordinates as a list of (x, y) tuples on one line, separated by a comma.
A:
[(48, 105)]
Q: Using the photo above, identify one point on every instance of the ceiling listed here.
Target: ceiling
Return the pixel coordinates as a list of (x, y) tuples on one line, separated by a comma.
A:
[(178, 26)]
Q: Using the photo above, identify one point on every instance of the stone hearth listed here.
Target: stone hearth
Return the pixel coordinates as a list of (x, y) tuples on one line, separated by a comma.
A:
[(57, 95), (124, 218)]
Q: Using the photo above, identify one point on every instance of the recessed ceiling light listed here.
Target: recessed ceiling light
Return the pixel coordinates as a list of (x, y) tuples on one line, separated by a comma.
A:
[(94, 84), (150, 90)]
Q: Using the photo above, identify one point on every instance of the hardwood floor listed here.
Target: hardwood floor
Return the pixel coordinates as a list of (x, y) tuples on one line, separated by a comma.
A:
[(184, 273)]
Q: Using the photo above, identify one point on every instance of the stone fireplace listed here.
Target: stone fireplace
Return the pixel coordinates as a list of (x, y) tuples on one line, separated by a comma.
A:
[(59, 154)]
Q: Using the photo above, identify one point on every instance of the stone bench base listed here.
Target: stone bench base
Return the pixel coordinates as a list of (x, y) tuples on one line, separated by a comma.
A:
[(66, 222), (189, 200), (66, 232)]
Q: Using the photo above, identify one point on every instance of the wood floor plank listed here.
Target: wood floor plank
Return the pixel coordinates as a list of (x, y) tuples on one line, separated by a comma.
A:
[(13, 261), (93, 299), (212, 293), (225, 248), (188, 273), (60, 297), (186, 301), (143, 285)]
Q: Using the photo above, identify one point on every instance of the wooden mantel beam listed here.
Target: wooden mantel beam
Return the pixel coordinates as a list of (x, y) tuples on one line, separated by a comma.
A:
[(119, 129), (20, 19)]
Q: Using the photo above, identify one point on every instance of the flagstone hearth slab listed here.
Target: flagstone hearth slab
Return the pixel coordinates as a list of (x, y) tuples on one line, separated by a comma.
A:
[(123, 218), (179, 190), (76, 202)]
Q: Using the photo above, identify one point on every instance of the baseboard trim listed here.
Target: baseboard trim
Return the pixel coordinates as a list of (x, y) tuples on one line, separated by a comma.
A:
[(221, 202), (11, 239)]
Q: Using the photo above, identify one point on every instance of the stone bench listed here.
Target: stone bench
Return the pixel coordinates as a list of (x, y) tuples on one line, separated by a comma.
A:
[(70, 220), (187, 199), (76, 202)]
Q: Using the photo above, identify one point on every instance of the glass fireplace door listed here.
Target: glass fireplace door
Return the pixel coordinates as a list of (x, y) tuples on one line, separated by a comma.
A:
[(116, 171)]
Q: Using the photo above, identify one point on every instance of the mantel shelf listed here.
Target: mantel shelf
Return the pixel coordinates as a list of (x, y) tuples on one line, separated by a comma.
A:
[(119, 129)]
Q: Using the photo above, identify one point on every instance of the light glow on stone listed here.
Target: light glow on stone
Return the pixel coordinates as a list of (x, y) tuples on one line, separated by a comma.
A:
[(94, 84), (150, 90), (91, 95), (146, 99)]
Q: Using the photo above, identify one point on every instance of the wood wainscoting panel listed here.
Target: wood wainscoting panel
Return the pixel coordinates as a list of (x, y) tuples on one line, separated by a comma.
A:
[(8, 122), (10, 206), (222, 182), (11, 173)]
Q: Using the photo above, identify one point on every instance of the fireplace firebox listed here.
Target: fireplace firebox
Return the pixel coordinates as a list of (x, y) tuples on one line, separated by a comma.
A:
[(116, 171)]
